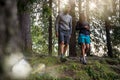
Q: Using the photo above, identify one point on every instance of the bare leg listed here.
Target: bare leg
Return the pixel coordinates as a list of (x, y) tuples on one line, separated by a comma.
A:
[(87, 48), (62, 47), (65, 48), (83, 49)]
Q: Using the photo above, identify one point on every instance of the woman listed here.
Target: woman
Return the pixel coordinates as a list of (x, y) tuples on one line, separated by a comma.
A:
[(84, 36)]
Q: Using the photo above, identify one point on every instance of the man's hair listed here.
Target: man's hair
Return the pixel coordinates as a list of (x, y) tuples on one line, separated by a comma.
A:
[(67, 6)]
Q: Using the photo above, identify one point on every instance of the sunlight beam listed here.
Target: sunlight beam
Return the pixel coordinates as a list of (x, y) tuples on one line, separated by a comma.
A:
[(92, 6), (63, 3)]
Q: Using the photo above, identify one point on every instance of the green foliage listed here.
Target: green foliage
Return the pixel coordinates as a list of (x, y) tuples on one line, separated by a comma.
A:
[(41, 77), (46, 11), (49, 61), (39, 38), (82, 75), (113, 61), (116, 53), (116, 36), (74, 66), (65, 78), (47, 77), (40, 15), (72, 70), (25, 5), (101, 72)]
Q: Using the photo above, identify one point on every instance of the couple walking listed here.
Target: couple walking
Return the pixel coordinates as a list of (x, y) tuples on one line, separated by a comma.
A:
[(63, 28)]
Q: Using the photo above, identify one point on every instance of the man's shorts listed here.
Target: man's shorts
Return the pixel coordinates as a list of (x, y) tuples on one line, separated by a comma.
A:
[(82, 38), (64, 36)]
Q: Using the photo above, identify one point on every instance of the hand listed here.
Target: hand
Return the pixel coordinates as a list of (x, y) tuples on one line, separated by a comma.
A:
[(69, 36), (87, 27)]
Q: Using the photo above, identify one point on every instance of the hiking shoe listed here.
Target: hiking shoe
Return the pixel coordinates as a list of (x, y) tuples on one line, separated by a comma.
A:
[(83, 60), (63, 59), (84, 63)]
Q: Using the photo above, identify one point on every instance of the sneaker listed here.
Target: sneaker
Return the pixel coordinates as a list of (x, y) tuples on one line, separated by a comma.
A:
[(81, 60), (63, 58), (84, 61)]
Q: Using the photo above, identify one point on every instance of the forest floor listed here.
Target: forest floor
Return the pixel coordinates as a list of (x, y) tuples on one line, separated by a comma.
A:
[(51, 68)]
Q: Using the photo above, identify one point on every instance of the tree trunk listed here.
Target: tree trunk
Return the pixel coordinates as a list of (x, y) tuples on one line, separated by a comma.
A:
[(9, 31), (72, 47), (87, 15), (80, 3), (119, 11), (24, 23), (87, 10), (107, 26), (50, 29), (58, 37)]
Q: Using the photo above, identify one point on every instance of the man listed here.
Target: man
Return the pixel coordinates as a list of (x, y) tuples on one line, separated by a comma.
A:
[(63, 28), (84, 36)]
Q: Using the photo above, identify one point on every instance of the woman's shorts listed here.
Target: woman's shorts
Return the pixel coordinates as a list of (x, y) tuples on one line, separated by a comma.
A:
[(82, 38)]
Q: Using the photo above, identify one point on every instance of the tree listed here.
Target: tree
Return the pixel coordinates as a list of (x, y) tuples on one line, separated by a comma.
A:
[(9, 30), (50, 29), (87, 15), (72, 47), (109, 46), (107, 26), (24, 23), (58, 37)]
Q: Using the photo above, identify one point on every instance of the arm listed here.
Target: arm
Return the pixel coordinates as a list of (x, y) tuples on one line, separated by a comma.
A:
[(71, 26), (87, 27), (57, 25)]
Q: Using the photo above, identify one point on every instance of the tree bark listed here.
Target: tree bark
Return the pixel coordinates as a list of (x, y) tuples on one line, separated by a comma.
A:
[(50, 29), (9, 31), (87, 15), (107, 26), (72, 47), (58, 37), (24, 23)]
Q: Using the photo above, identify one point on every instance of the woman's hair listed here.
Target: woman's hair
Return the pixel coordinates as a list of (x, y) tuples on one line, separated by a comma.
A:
[(82, 17)]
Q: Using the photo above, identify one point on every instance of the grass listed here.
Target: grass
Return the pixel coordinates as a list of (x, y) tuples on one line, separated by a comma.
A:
[(99, 69)]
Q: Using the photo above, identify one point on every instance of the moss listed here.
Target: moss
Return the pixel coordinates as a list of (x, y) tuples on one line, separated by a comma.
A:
[(112, 61), (74, 70), (102, 61), (82, 75), (49, 61), (116, 69), (65, 78), (41, 77), (99, 71)]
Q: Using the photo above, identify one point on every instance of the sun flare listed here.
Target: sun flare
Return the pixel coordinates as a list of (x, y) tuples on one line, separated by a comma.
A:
[(63, 3), (92, 6)]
